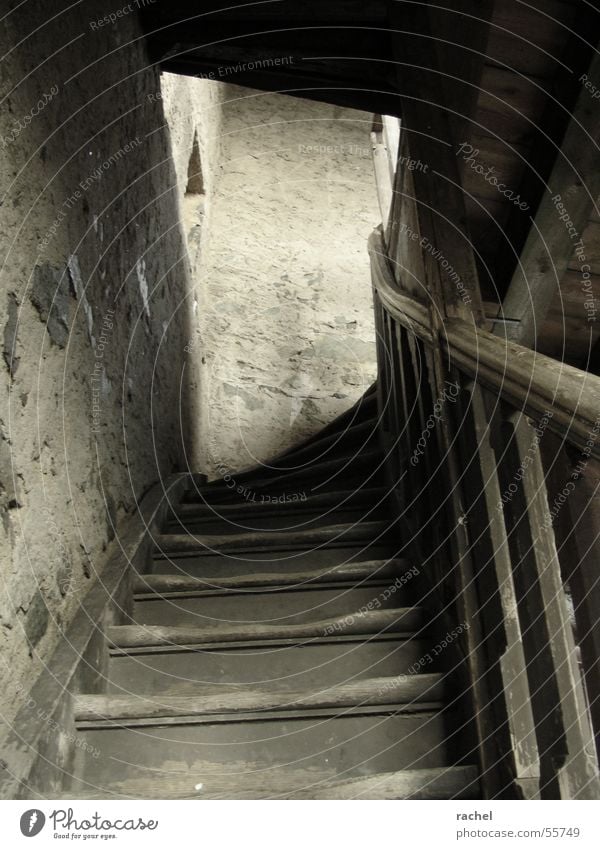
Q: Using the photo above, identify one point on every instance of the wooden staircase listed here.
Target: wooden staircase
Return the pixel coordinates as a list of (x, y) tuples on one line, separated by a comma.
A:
[(276, 646)]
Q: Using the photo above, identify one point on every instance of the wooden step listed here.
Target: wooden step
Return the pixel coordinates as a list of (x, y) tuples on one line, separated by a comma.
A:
[(442, 783), (207, 564), (232, 756), (380, 692), (369, 570), (316, 665), (320, 503), (272, 520), (269, 606), (168, 544), (364, 469), (405, 620)]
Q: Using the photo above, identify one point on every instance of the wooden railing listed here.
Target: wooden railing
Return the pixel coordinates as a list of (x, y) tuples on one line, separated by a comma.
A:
[(494, 455)]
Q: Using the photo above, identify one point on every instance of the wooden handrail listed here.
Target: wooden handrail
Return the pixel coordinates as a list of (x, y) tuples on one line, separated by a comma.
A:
[(529, 381)]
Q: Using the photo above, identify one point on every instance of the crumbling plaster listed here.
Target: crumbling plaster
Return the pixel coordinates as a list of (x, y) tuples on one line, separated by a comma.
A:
[(96, 310), (287, 328)]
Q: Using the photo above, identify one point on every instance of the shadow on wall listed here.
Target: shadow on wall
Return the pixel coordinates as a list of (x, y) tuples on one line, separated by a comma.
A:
[(287, 329)]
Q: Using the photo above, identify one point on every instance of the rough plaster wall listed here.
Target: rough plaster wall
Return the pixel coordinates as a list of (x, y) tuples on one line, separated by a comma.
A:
[(69, 472), (288, 327)]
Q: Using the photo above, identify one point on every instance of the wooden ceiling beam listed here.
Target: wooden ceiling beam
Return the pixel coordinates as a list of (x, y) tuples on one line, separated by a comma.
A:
[(562, 216), (560, 96)]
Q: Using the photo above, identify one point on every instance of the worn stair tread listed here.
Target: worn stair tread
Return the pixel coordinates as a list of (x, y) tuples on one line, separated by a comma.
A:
[(313, 665), (453, 782), (442, 783), (328, 535), (272, 521), (207, 564), (347, 744), (341, 499), (399, 620), (285, 606), (326, 473), (368, 569), (400, 689)]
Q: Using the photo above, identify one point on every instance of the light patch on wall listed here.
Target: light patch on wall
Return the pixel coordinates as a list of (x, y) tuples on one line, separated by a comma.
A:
[(140, 268), (77, 281)]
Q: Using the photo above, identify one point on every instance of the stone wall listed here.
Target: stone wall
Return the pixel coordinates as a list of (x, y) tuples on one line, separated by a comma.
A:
[(287, 327), (152, 321), (96, 310)]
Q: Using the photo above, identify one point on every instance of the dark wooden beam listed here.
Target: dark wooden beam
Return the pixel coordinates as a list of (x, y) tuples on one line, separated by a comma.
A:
[(562, 216), (461, 29), (548, 134)]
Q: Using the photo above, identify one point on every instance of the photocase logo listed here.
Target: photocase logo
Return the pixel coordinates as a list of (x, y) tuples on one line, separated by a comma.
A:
[(32, 822)]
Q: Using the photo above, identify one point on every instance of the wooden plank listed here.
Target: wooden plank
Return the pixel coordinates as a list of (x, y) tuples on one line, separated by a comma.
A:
[(401, 620), (450, 273), (458, 782), (529, 39), (318, 472), (340, 500), (578, 777), (169, 544), (528, 380), (574, 501), (516, 694), (368, 692), (574, 183), (509, 106), (410, 312), (461, 33), (448, 783), (368, 569)]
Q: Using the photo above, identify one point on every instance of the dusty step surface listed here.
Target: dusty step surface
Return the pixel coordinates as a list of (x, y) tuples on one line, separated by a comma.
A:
[(303, 540), (412, 690), (207, 564), (215, 521), (395, 572), (220, 755), (289, 666), (287, 606), (355, 471), (459, 782), (320, 503), (404, 620), (294, 489)]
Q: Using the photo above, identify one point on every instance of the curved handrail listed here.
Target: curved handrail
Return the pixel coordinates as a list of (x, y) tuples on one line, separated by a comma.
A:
[(529, 381)]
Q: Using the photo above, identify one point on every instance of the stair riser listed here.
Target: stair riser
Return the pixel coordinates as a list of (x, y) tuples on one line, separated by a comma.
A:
[(293, 667)]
